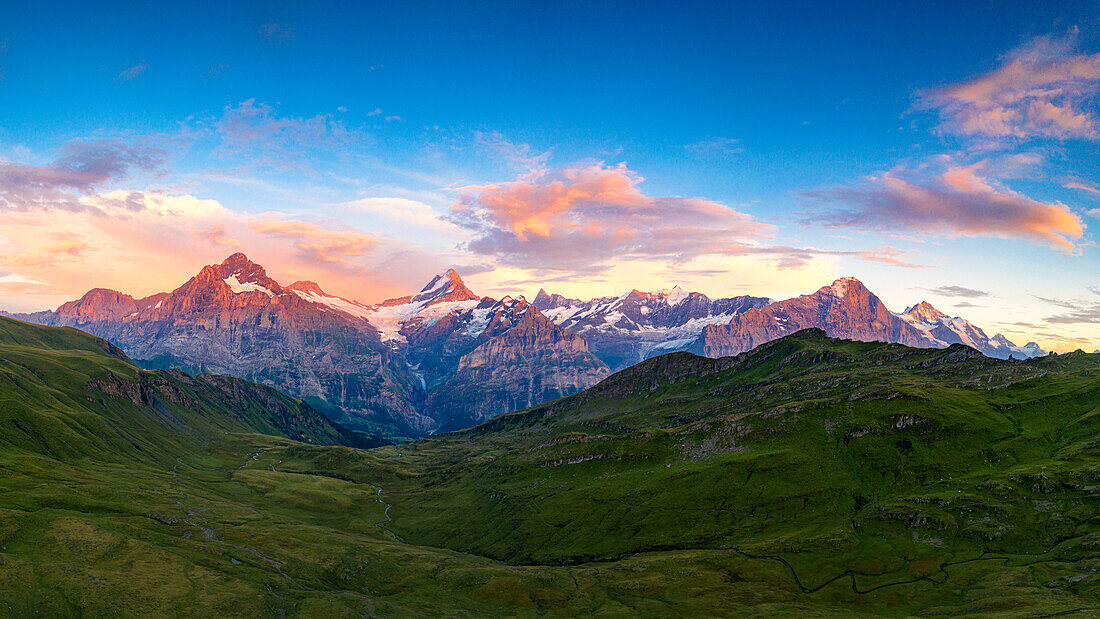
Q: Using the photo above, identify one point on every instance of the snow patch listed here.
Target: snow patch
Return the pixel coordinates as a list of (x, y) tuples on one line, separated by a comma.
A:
[(238, 286), (342, 305)]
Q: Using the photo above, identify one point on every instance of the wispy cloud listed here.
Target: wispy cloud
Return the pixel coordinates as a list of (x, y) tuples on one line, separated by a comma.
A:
[(133, 71), (276, 32), (788, 257), (716, 145), (1041, 89), (946, 198), (958, 291), (1078, 310), (255, 132), (1082, 185), (318, 243), (520, 157)]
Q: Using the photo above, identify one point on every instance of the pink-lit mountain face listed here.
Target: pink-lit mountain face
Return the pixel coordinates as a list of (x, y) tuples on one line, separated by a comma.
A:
[(847, 309), (445, 358), (370, 367)]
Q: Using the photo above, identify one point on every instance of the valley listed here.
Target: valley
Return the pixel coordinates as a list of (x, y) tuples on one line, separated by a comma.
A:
[(810, 476)]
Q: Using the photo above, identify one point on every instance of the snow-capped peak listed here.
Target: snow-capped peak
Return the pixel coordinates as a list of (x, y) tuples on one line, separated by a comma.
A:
[(924, 312), (673, 296), (446, 286)]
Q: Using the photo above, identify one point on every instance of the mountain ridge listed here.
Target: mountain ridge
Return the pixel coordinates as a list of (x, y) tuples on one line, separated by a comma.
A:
[(368, 366), (393, 366)]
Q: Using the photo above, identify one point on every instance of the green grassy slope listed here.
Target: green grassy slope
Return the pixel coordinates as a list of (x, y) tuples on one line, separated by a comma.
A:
[(864, 465), (809, 477), (66, 394)]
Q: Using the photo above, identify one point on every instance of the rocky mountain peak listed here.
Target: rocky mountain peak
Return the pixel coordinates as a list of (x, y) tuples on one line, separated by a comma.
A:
[(98, 304), (444, 287), (234, 275), (844, 287), (925, 312), (674, 295), (243, 269)]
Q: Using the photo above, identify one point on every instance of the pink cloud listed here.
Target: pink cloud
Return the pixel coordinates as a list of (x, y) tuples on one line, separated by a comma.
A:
[(1040, 90), (317, 243), (951, 199), (1083, 186), (581, 218)]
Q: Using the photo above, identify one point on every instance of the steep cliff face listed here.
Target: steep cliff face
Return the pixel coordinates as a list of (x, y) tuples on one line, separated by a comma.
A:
[(233, 319), (845, 309), (369, 367), (522, 358), (638, 325)]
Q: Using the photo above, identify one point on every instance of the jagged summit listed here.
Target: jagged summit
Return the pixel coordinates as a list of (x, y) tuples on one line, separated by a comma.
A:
[(924, 311), (444, 287), (237, 272), (844, 287)]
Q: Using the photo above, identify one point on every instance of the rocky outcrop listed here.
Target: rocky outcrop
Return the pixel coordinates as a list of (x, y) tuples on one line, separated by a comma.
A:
[(523, 359)]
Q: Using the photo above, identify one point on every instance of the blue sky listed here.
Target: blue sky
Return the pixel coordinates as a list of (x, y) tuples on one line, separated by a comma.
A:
[(763, 148)]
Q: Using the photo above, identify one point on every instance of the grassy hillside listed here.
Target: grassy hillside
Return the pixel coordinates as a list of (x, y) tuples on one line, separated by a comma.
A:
[(66, 394), (859, 468), (809, 477)]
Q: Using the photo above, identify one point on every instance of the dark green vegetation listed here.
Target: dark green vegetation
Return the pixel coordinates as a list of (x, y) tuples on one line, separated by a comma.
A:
[(810, 476)]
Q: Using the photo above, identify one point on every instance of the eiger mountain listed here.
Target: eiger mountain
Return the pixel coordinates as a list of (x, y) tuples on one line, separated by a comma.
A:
[(445, 358), (369, 367)]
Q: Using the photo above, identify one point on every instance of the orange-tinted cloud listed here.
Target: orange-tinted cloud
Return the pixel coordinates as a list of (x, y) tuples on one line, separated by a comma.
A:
[(1040, 90), (582, 218), (948, 199), (317, 243)]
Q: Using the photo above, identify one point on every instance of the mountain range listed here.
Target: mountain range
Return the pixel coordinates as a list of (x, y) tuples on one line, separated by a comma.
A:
[(446, 358)]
